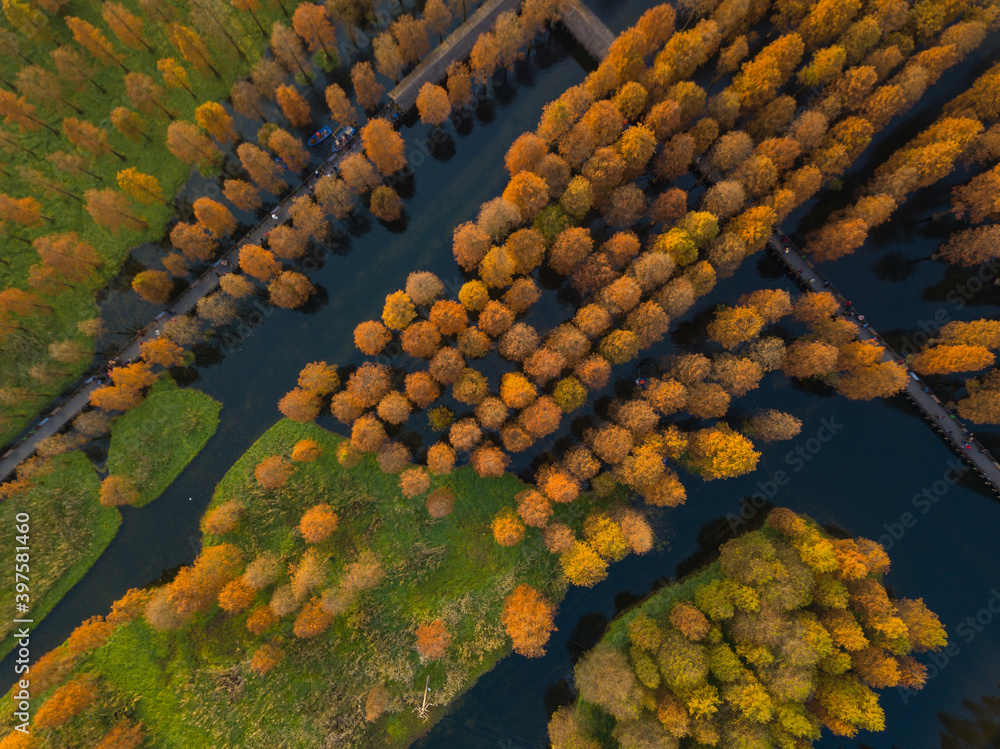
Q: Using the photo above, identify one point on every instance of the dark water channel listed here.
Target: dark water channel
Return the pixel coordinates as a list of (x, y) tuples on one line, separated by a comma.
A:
[(859, 467)]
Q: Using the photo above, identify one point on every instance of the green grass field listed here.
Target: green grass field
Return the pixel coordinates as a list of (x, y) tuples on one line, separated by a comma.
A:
[(69, 531), (25, 364), (152, 443), (194, 684)]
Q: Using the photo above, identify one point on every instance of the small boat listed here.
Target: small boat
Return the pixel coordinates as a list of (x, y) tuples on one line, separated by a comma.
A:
[(320, 135), (279, 162), (342, 137)]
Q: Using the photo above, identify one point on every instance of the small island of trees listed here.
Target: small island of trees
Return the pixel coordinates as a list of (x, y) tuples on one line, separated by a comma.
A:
[(787, 634)]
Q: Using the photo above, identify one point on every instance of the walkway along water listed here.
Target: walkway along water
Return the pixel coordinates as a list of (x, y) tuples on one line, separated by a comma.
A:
[(587, 28), (185, 302), (579, 20), (457, 46), (938, 414)]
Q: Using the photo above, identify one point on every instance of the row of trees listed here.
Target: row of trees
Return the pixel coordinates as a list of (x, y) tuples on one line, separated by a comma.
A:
[(587, 159), (65, 71), (792, 634), (964, 133), (967, 347), (198, 242), (157, 89), (590, 136)]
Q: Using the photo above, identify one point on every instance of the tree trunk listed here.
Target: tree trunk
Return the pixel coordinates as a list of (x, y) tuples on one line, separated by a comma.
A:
[(239, 50), (53, 186), (159, 198), (14, 236), (263, 33), (46, 125), (18, 145), (304, 73), (162, 108), (70, 105), (96, 85)]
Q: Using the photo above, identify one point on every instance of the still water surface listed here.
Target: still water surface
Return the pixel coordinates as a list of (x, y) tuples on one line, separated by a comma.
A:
[(862, 480)]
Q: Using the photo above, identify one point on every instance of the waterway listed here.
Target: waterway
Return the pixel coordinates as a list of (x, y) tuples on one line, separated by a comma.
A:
[(249, 372), (857, 467)]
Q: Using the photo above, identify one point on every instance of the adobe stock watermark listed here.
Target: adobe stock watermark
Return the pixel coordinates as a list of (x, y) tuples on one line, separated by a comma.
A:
[(923, 501), (968, 630), (796, 459)]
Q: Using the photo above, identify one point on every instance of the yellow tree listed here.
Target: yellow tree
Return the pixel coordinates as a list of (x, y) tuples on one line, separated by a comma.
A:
[(153, 286), (241, 194), (341, 110), (261, 167), (110, 208), (366, 86), (128, 123), (837, 239), (146, 95), (191, 47), (384, 146), (215, 120), (144, 188), (950, 358), (190, 145), (215, 217), (528, 618), (827, 19), (88, 137), (718, 452), (433, 104), (459, 84), (174, 75), (289, 149), (825, 65), (759, 79), (411, 35), (94, 41), (125, 25), (388, 59), (735, 325), (293, 105)]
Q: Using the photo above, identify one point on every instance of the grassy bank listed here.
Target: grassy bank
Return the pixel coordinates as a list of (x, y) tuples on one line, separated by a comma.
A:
[(152, 444), (26, 365), (69, 531), (195, 683)]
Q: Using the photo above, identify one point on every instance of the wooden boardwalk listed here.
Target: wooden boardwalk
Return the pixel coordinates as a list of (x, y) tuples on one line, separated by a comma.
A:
[(457, 46), (941, 418), (587, 29)]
